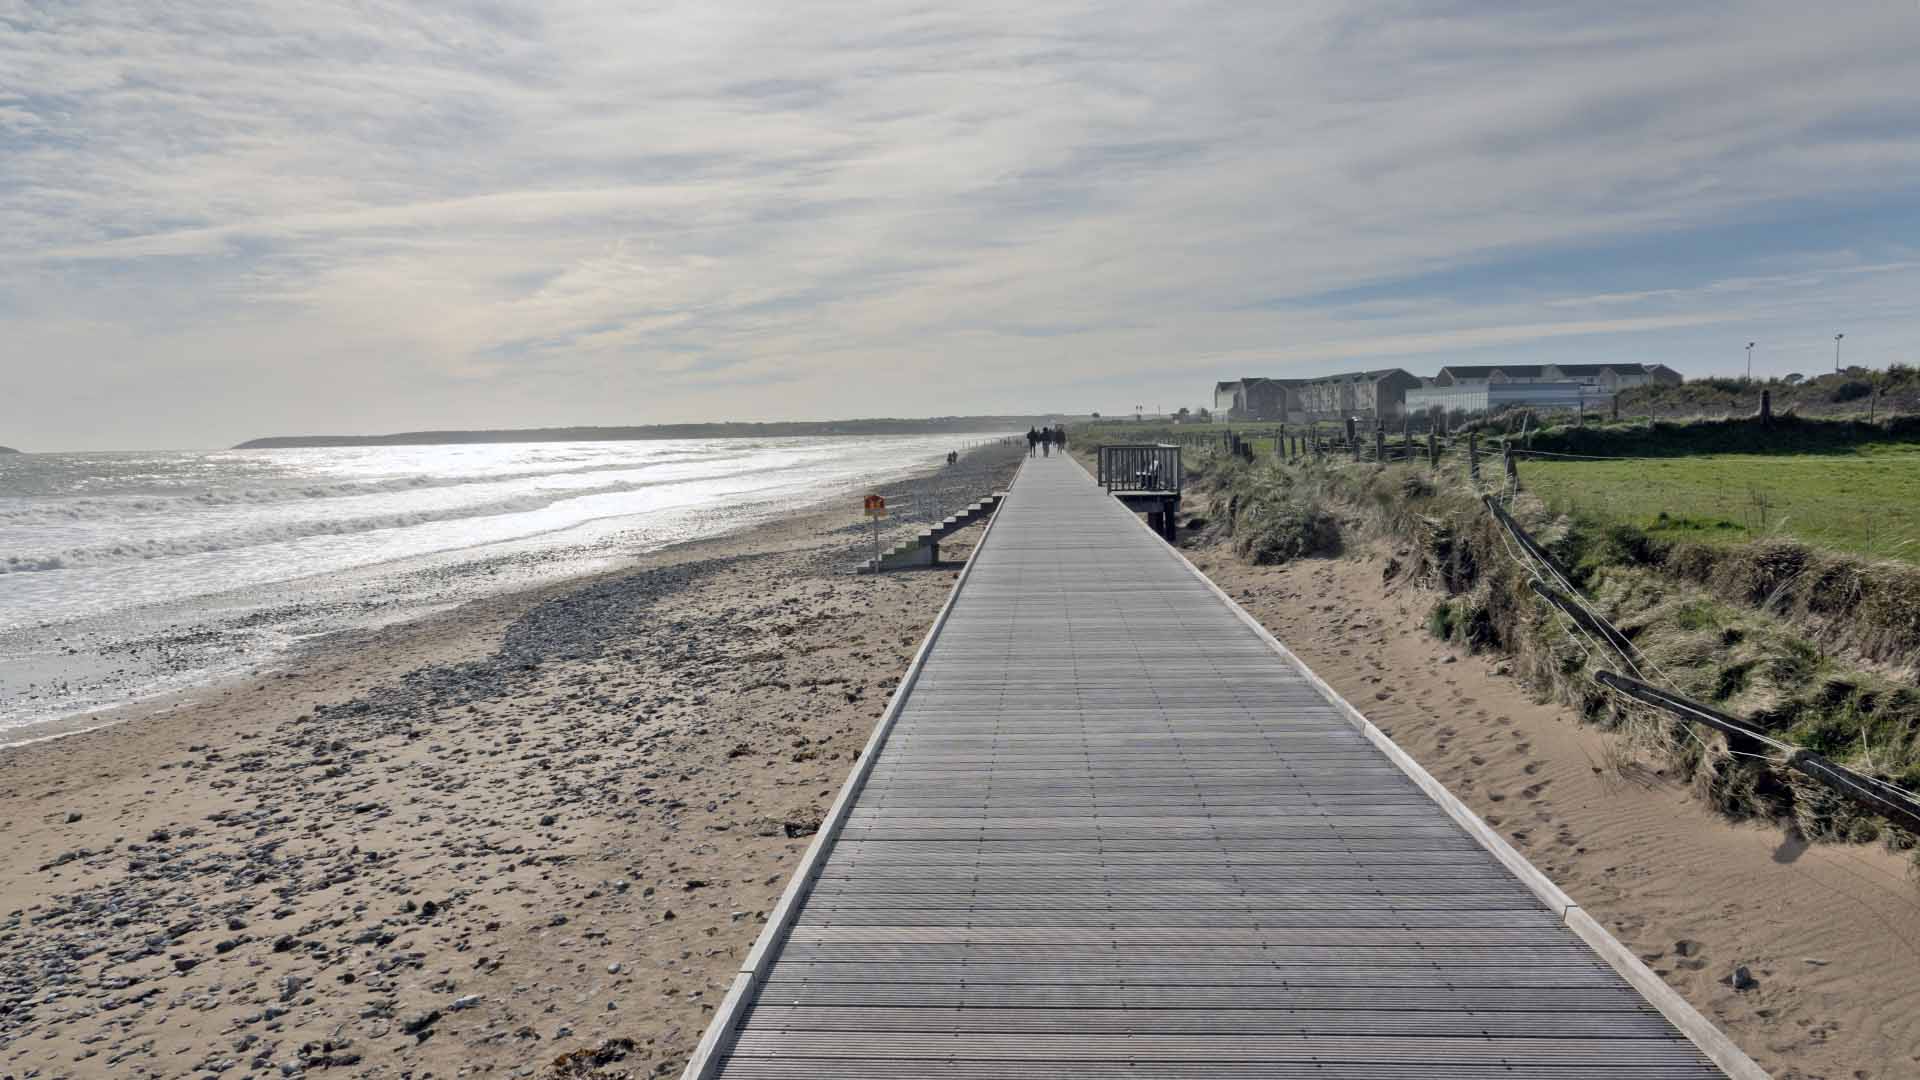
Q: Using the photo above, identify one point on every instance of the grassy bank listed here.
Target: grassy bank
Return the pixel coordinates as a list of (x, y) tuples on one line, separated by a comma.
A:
[(1854, 392), (1713, 628)]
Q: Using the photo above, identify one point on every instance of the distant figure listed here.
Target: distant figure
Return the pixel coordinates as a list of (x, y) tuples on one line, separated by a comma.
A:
[(1060, 438), (1046, 442), (1033, 440)]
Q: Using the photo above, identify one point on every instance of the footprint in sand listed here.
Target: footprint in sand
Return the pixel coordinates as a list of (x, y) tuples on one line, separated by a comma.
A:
[(1477, 760), (1532, 791), (1532, 767)]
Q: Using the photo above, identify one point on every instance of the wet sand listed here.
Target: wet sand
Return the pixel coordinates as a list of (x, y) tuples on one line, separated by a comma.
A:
[(541, 824)]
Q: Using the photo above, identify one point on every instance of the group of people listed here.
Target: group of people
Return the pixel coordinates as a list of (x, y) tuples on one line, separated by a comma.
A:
[(1045, 439)]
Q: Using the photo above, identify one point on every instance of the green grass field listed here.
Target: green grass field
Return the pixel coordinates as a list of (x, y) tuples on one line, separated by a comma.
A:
[(1865, 501)]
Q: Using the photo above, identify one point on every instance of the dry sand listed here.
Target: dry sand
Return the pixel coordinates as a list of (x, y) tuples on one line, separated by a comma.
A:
[(547, 821), (1831, 932), (466, 846)]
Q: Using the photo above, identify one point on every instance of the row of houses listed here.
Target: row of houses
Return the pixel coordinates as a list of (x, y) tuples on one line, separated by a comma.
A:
[(1392, 392)]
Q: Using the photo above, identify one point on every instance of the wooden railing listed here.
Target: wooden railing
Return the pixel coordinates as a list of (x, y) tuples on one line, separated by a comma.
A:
[(1140, 468)]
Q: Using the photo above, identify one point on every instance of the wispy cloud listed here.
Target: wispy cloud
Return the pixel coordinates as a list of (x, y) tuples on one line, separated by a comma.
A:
[(219, 220)]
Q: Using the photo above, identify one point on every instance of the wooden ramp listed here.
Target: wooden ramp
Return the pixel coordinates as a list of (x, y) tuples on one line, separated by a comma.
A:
[(1108, 829)]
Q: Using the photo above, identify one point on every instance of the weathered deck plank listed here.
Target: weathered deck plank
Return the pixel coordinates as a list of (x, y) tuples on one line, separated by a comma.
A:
[(1112, 832)]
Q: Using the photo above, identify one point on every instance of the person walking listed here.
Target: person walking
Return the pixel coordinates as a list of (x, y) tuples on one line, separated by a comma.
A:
[(1033, 440), (1046, 442)]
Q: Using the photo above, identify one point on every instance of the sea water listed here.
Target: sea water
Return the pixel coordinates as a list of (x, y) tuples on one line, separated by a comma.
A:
[(125, 575)]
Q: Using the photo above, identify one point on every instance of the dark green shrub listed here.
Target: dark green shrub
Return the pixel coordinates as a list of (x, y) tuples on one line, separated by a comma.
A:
[(1851, 390), (1279, 531)]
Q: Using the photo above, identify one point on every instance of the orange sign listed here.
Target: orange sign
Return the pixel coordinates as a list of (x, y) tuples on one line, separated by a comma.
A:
[(876, 506)]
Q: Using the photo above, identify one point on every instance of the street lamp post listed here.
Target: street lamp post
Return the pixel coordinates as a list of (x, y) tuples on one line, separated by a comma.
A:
[(1836, 352), (1749, 361)]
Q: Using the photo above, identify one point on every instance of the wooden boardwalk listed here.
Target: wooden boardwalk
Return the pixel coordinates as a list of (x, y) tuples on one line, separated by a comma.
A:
[(1110, 830)]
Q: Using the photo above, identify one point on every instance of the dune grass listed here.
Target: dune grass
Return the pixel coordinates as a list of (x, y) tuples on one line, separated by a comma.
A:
[(1749, 628)]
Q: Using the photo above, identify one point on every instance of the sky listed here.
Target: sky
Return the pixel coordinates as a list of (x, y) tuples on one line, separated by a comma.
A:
[(221, 221)]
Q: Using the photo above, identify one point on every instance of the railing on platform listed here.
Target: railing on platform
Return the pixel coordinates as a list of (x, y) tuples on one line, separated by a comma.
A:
[(1141, 468)]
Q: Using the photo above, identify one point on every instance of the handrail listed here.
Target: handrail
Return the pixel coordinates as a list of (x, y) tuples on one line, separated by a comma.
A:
[(1152, 467)]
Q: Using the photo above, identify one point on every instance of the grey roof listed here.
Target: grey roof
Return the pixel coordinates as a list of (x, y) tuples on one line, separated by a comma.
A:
[(1534, 371), (1481, 371)]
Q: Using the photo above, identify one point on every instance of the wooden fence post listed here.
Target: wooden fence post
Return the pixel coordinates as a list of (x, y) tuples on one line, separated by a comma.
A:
[(1513, 470), (1406, 436), (1473, 454), (1433, 449), (1766, 408), (1380, 445), (1353, 439)]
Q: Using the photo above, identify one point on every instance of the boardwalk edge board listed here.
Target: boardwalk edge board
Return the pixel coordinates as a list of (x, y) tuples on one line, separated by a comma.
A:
[(1704, 1034), (715, 1042)]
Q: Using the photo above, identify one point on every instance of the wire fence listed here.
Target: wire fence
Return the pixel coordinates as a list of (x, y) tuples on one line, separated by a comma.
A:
[(1614, 663)]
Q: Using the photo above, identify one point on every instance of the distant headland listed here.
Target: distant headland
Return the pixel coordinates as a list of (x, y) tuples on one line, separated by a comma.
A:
[(8, 450), (933, 426)]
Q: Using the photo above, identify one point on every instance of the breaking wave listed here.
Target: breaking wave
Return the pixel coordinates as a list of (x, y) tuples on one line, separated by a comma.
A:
[(119, 506), (279, 532)]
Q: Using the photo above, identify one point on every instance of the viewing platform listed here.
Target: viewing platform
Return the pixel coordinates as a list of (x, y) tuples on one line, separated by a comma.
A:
[(1147, 479), (1109, 827)]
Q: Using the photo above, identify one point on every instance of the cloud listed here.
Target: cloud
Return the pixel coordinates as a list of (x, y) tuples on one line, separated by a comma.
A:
[(327, 216)]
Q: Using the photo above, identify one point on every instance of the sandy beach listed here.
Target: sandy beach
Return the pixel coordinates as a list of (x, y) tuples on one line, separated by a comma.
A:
[(532, 837), (542, 826)]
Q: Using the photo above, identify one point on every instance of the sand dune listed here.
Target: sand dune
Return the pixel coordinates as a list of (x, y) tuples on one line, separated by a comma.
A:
[(1831, 933)]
